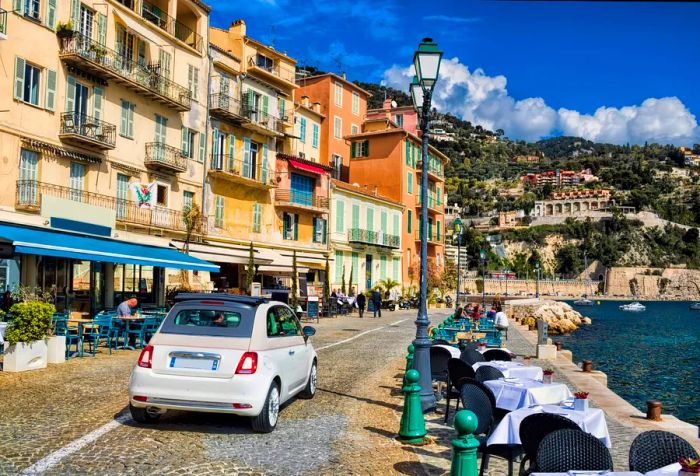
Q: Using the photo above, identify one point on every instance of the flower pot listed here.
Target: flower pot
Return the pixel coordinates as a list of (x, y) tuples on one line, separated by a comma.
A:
[(580, 404), (25, 356), (547, 378), (56, 349), (65, 33), (683, 472)]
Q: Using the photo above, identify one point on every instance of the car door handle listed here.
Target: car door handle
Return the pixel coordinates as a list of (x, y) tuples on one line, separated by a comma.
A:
[(291, 352)]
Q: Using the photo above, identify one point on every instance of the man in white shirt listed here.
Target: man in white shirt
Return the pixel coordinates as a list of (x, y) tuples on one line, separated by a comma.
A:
[(501, 320)]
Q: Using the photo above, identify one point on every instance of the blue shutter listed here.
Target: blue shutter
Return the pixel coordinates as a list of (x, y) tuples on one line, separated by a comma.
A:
[(246, 157), (50, 101), (231, 151), (214, 147), (263, 174), (19, 77)]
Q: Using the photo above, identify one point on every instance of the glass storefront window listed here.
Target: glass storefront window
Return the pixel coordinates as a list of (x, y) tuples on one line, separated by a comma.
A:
[(81, 276)]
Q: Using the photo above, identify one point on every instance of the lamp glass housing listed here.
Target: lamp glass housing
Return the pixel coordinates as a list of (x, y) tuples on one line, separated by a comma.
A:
[(426, 61)]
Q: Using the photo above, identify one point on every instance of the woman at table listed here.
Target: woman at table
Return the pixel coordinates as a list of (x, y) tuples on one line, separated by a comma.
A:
[(476, 312), (459, 314)]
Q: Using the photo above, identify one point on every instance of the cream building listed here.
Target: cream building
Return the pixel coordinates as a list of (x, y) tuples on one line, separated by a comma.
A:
[(307, 129)]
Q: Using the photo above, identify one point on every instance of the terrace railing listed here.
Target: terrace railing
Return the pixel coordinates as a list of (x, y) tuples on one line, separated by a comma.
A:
[(161, 155), (302, 199), (377, 238), (240, 168), (162, 20), (264, 119), (88, 129)]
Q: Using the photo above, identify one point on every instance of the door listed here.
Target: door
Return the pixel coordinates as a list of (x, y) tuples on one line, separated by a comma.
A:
[(86, 22), (368, 272), (77, 181), (288, 348), (122, 195), (28, 172), (251, 167), (81, 107), (302, 189), (161, 125)]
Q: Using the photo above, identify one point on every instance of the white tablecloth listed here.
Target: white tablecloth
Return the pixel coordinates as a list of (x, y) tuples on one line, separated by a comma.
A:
[(591, 421), (3, 328), (513, 369), (670, 470), (615, 473), (519, 393), (453, 350), (491, 348)]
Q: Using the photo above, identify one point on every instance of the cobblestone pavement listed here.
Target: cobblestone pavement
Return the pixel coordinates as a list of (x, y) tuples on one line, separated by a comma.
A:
[(348, 428)]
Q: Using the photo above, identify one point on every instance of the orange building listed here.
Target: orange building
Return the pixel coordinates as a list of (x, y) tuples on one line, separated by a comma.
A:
[(344, 105), (386, 158)]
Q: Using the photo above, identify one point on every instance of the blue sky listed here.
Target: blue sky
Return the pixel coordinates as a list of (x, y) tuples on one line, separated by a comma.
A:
[(533, 68)]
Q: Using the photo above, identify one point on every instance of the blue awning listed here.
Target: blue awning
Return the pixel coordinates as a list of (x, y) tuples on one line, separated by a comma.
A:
[(37, 241)]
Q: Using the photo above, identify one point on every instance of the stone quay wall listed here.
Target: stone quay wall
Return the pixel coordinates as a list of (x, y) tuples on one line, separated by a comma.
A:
[(527, 287), (654, 283)]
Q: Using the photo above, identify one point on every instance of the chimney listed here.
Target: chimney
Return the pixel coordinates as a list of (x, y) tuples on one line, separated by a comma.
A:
[(344, 76), (317, 107), (375, 190), (387, 104), (305, 101), (238, 28)]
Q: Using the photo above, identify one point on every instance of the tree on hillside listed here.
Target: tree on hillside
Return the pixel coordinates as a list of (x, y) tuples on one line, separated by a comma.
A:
[(568, 259)]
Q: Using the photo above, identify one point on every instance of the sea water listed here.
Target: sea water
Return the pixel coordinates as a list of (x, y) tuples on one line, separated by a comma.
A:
[(647, 355)]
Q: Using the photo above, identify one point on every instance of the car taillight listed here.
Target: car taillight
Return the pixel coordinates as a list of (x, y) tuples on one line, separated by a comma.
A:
[(248, 363), (140, 398), (146, 357)]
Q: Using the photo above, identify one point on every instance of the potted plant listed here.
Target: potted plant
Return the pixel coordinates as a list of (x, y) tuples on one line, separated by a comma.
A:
[(581, 401), (27, 348), (65, 30), (547, 375), (689, 466)]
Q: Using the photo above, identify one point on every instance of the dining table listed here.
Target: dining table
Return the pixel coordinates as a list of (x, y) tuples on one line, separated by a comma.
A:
[(670, 470), (515, 393), (592, 421), (513, 369)]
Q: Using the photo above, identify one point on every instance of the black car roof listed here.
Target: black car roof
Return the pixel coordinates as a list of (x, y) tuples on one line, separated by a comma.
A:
[(234, 298)]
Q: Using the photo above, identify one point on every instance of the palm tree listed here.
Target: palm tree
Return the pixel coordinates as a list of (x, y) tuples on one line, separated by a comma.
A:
[(388, 284), (192, 219)]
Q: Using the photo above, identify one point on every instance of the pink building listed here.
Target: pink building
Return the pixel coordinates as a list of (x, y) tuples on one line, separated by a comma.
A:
[(403, 116)]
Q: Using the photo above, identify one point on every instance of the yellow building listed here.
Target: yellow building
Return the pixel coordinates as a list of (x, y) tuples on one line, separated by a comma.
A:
[(307, 129), (99, 103)]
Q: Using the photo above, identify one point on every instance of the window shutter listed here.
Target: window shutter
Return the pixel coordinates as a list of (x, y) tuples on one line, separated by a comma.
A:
[(202, 146), (70, 94), (356, 216), (97, 95), (19, 77), (353, 152), (370, 219), (256, 217), (130, 118), (214, 147), (246, 157), (296, 226), (315, 138), (339, 216), (164, 58), (365, 148), (324, 231), (280, 101), (265, 105), (190, 79), (75, 13), (51, 14), (50, 101), (315, 225), (410, 182), (395, 225), (123, 124), (119, 39), (286, 220), (438, 230), (409, 221), (408, 152), (185, 142), (263, 174), (18, 6), (438, 196), (231, 151), (383, 221), (195, 83), (101, 29), (250, 100)]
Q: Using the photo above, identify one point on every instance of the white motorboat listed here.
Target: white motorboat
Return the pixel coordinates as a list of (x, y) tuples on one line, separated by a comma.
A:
[(583, 301), (633, 307), (695, 306)]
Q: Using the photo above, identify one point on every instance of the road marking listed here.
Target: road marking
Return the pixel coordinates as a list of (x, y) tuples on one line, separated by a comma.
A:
[(54, 458), (359, 335)]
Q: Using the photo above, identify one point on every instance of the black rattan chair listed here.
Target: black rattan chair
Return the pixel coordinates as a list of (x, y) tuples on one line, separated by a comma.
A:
[(532, 431), (480, 400), (497, 354), (655, 449), (438, 363), (440, 342), (465, 344), (471, 356), (565, 450), (486, 372), (457, 372)]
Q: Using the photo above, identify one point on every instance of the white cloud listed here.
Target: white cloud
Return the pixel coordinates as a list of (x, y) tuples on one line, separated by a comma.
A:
[(484, 100)]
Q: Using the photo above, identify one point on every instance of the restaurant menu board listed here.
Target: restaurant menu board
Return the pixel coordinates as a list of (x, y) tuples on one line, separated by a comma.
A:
[(312, 307)]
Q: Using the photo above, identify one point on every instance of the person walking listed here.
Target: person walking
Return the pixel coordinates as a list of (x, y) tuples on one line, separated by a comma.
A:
[(501, 321), (361, 302), (377, 302)]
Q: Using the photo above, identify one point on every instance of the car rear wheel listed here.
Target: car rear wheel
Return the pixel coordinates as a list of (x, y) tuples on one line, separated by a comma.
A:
[(144, 415), (310, 389), (266, 421)]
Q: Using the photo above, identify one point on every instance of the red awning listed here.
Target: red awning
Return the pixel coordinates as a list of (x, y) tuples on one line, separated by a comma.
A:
[(308, 167)]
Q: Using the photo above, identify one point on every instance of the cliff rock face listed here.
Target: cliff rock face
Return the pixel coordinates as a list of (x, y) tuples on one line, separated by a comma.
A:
[(561, 318)]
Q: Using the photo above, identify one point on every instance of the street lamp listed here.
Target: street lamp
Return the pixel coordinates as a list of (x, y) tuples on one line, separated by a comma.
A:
[(484, 262), (427, 64), (537, 283), (458, 229), (506, 271)]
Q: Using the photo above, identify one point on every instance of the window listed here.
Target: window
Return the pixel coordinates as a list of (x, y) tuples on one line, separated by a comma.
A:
[(126, 125), (409, 221), (219, 212), (355, 103), (290, 222), (162, 195), (354, 129), (398, 119), (30, 77), (257, 217), (28, 174), (314, 138), (360, 149), (339, 216), (410, 182), (122, 195), (337, 167), (337, 127), (188, 142), (438, 230), (201, 318), (87, 17), (32, 8), (161, 128), (193, 81), (281, 322), (262, 61), (302, 130), (187, 200), (338, 94), (338, 266), (320, 226)]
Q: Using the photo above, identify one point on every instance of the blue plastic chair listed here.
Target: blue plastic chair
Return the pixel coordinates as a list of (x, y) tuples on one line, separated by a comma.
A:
[(90, 334), (137, 330)]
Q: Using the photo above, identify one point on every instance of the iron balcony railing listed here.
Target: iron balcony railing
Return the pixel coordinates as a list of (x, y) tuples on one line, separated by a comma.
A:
[(264, 119), (377, 238), (115, 63), (159, 154), (89, 128), (273, 70), (302, 199), (226, 104), (240, 168), (433, 204), (3, 22), (432, 170), (432, 237), (162, 20), (29, 195)]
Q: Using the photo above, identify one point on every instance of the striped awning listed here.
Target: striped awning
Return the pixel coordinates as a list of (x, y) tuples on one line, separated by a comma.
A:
[(46, 148)]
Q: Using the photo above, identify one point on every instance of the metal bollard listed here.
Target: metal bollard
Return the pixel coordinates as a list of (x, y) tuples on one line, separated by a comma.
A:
[(654, 410), (464, 447), (412, 428), (409, 362)]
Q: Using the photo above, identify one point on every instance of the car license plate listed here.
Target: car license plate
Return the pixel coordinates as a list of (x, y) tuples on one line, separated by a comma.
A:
[(196, 364)]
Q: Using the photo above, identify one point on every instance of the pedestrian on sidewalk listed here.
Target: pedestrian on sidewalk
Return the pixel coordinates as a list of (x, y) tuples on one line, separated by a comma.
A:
[(361, 302), (377, 302), (501, 321)]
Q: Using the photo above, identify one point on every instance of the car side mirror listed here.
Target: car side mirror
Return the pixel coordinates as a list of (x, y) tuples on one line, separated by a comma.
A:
[(308, 331)]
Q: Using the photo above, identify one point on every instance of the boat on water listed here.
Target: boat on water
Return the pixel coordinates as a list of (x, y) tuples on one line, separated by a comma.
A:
[(633, 307), (583, 301), (695, 306)]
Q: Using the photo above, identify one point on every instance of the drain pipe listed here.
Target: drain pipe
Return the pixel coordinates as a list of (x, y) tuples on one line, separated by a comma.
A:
[(207, 119)]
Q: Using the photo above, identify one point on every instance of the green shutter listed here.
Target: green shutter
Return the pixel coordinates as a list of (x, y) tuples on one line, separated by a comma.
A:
[(356, 268), (382, 267), (438, 196), (408, 152), (370, 219), (263, 175), (383, 221), (280, 101), (123, 125), (430, 228), (246, 157), (296, 226), (395, 269), (250, 99), (365, 148), (18, 6), (70, 94), (164, 58), (202, 146), (97, 99), (185, 144), (316, 227), (338, 266), (75, 14), (214, 147), (256, 217), (324, 231), (410, 182), (231, 151), (50, 90), (51, 14), (438, 231), (353, 149), (355, 216), (395, 225), (132, 106), (19, 77), (339, 216), (409, 221), (102, 29)]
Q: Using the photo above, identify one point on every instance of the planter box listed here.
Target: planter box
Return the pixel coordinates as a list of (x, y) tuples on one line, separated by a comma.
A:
[(26, 356), (56, 349)]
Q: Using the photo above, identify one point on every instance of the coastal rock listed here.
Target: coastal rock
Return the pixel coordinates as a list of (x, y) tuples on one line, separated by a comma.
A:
[(560, 317)]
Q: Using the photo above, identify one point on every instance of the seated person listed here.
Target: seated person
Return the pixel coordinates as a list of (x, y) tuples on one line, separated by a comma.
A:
[(459, 314), (218, 320)]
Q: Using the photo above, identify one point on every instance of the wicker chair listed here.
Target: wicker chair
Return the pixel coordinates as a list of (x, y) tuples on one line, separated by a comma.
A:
[(471, 356), (480, 400), (565, 450), (532, 431), (497, 354), (486, 372), (465, 344), (440, 342), (655, 449), (457, 372), (438, 363)]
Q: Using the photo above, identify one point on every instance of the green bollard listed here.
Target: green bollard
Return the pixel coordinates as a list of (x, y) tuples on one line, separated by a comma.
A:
[(409, 360), (412, 428), (464, 460)]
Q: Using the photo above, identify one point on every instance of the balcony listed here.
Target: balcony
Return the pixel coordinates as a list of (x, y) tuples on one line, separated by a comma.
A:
[(88, 55), (29, 194), (160, 156), (433, 206), (268, 70), (376, 238), (3, 24), (154, 14), (262, 122), (84, 130), (285, 198), (433, 171), (432, 238), (226, 107), (238, 171)]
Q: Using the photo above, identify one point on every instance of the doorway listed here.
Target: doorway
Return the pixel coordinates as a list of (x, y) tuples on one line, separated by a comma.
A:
[(368, 272)]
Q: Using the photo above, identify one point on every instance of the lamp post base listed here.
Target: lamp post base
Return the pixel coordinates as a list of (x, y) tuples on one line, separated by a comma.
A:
[(421, 362)]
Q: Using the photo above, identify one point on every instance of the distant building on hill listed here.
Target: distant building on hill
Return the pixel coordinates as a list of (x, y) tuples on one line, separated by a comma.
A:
[(404, 117), (559, 178), (573, 203), (526, 159), (690, 159)]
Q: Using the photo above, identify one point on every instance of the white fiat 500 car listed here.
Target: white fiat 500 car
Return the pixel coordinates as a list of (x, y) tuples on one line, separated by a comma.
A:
[(225, 354)]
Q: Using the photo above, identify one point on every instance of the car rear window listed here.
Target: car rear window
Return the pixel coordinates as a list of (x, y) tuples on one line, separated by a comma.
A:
[(190, 319)]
